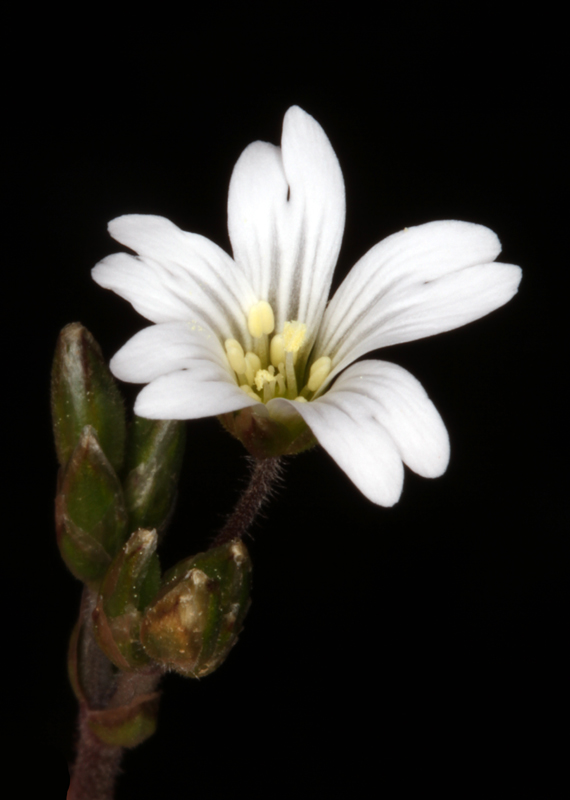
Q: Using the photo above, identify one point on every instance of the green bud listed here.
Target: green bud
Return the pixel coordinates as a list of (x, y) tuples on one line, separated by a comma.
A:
[(91, 520), (154, 459), (131, 582), (198, 614), (267, 433), (83, 392)]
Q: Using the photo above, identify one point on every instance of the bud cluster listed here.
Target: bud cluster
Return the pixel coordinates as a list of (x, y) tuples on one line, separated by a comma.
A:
[(116, 491)]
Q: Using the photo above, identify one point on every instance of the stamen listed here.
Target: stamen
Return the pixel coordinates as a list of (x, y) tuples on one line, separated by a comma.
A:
[(262, 347), (290, 375), (269, 371), (319, 371), (260, 319), (268, 391), (235, 355), (277, 350), (294, 335), (252, 365)]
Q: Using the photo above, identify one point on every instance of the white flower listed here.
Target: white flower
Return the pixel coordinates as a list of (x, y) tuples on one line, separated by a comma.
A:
[(255, 331)]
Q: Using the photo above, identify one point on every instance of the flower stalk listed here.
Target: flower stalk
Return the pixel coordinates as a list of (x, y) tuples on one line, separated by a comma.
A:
[(265, 475)]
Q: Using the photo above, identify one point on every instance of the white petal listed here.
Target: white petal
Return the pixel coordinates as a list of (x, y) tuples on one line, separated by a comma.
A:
[(178, 275), (361, 446), (201, 391), (171, 346), (401, 404), (416, 283), (143, 284), (286, 212), (375, 416)]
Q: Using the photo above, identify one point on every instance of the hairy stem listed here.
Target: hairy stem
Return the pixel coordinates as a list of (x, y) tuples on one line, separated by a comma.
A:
[(96, 766), (265, 475)]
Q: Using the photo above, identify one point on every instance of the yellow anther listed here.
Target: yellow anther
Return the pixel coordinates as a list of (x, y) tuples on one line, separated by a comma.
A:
[(301, 399), (235, 354), (260, 319), (319, 371), (262, 377), (252, 365), (277, 350), (293, 335)]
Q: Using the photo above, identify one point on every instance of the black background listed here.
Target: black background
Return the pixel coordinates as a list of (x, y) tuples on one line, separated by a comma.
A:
[(418, 646)]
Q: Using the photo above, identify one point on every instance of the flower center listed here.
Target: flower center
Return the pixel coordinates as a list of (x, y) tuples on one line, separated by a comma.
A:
[(270, 369)]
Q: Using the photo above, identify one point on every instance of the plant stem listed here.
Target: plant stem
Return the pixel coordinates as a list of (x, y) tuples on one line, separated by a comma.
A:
[(97, 764), (265, 475)]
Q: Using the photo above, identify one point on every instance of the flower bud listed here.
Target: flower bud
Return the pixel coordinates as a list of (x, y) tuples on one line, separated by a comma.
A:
[(83, 392), (197, 616), (131, 582), (153, 462), (266, 432), (91, 520)]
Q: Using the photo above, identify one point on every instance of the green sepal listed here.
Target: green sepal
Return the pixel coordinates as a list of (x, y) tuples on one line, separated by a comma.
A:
[(267, 432), (131, 582), (154, 459), (91, 520), (198, 614), (83, 392)]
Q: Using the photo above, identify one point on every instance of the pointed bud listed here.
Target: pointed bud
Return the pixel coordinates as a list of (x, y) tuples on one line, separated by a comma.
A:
[(83, 392), (197, 616), (90, 515), (131, 582), (154, 460)]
